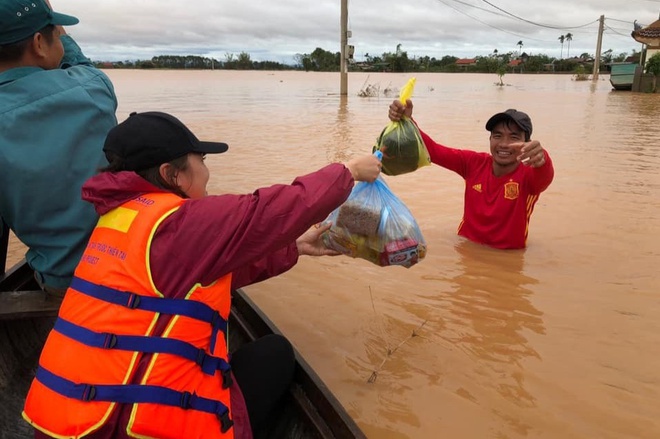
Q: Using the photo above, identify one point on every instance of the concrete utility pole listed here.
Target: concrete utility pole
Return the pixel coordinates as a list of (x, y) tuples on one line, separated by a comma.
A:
[(599, 44), (343, 63)]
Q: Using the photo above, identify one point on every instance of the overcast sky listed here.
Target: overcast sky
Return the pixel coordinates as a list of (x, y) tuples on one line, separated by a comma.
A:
[(277, 30)]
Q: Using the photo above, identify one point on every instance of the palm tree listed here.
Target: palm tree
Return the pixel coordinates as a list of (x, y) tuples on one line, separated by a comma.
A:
[(561, 40), (520, 44), (569, 38)]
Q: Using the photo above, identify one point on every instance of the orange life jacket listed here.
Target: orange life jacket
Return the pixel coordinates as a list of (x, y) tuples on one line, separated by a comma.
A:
[(106, 325)]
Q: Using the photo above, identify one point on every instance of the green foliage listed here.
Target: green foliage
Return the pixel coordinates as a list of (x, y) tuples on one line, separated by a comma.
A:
[(486, 64), (319, 61), (536, 63), (397, 61), (240, 62), (580, 73), (243, 62), (180, 62), (653, 65), (501, 71), (621, 57)]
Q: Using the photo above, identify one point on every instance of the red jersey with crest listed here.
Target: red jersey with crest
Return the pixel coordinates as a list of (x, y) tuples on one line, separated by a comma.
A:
[(496, 209)]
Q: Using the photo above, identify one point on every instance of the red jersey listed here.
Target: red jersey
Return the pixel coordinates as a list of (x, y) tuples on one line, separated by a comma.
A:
[(496, 210)]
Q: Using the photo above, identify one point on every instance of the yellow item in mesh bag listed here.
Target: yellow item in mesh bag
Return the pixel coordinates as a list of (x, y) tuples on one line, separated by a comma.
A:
[(401, 143)]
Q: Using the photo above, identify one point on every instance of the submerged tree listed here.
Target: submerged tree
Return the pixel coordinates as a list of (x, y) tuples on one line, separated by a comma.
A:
[(580, 73), (501, 71)]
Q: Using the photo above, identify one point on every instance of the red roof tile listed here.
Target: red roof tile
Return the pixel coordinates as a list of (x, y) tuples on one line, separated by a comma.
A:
[(651, 31)]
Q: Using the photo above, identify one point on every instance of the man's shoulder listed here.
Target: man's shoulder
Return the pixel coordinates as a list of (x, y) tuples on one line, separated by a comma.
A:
[(476, 159), (29, 86), (84, 74), (41, 77)]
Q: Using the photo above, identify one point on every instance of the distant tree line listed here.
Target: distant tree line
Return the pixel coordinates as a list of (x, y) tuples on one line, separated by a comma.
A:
[(241, 61), (321, 60)]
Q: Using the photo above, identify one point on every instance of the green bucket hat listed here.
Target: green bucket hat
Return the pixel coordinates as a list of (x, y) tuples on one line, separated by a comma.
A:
[(20, 19)]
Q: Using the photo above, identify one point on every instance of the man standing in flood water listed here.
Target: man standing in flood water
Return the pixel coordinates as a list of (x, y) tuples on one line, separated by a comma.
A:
[(501, 188), (55, 111)]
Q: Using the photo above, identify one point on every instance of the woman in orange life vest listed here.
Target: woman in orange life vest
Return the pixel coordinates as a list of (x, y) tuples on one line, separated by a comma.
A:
[(139, 347)]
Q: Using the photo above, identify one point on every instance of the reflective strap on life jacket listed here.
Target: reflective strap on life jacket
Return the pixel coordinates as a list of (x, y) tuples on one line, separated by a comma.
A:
[(152, 345), (188, 308), (135, 394)]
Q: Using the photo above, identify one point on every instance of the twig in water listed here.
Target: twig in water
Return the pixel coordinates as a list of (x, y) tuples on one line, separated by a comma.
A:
[(365, 82), (390, 352), (380, 322)]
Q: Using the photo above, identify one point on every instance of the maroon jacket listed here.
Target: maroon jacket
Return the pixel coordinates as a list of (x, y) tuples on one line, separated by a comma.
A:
[(251, 236)]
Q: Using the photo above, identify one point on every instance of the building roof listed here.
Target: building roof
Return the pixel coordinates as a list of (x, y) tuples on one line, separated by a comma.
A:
[(648, 35), (466, 61), (515, 62)]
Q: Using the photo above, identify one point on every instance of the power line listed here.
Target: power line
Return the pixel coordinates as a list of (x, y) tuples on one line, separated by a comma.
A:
[(490, 11), (486, 24), (508, 14), (618, 33), (538, 24), (621, 21)]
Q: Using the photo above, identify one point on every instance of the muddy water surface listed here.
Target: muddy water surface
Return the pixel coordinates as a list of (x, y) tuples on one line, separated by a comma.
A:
[(556, 341)]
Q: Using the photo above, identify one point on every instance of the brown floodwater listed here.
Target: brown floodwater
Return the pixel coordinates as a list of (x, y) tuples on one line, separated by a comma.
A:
[(555, 341)]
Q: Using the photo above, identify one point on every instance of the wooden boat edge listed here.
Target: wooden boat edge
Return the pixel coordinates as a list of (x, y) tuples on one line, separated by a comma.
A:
[(309, 393)]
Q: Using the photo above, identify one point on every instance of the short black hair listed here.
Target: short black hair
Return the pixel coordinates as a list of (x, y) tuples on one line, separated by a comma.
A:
[(14, 51)]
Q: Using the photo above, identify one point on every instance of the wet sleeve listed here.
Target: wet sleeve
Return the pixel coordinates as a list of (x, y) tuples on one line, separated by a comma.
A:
[(540, 178), (73, 55), (450, 158), (272, 265), (253, 235), (92, 80)]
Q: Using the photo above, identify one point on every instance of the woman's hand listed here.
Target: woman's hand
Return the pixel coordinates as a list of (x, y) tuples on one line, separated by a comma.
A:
[(365, 167), (311, 244)]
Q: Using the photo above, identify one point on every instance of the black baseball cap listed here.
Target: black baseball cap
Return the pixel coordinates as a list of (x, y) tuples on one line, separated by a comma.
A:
[(521, 119), (149, 139)]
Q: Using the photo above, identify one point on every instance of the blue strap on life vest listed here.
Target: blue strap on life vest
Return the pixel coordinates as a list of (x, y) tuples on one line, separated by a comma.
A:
[(135, 394), (189, 308), (153, 345)]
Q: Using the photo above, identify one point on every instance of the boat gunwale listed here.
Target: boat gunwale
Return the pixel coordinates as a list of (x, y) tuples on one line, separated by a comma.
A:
[(322, 411)]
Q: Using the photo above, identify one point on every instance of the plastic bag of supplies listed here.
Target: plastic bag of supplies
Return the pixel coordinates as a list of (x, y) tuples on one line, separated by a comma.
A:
[(373, 224), (401, 143)]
